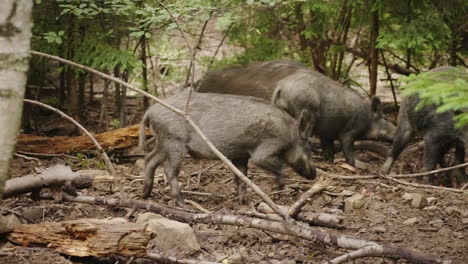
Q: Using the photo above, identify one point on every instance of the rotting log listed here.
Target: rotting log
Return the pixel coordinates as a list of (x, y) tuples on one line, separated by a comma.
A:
[(86, 237), (112, 140)]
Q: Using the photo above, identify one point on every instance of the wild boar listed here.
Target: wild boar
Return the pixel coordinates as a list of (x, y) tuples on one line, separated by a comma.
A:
[(340, 112), (241, 127), (256, 79), (438, 131)]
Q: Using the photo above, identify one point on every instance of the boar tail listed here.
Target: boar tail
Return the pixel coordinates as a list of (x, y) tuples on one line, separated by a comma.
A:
[(142, 134)]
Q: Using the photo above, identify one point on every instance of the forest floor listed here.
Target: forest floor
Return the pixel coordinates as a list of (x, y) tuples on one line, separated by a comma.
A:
[(441, 228)]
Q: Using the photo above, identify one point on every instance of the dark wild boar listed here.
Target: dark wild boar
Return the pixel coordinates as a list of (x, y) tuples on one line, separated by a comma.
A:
[(241, 127), (340, 112), (439, 134)]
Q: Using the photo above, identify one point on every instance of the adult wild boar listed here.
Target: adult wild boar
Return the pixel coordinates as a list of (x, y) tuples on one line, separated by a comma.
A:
[(256, 79), (241, 127), (340, 112), (438, 131)]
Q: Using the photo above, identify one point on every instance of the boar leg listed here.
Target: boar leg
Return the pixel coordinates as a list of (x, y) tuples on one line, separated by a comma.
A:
[(172, 169), (328, 148), (241, 164), (271, 162), (434, 150), (459, 176), (402, 137), (347, 144), (152, 161)]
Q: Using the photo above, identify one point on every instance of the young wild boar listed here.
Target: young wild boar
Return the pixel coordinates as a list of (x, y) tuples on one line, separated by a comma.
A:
[(241, 127), (340, 112), (438, 131)]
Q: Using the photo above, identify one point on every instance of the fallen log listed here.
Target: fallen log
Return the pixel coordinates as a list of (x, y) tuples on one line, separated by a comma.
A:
[(86, 237), (112, 140), (301, 231), (55, 176)]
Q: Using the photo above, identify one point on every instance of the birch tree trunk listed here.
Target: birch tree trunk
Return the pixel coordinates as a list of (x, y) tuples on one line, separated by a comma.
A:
[(15, 35)]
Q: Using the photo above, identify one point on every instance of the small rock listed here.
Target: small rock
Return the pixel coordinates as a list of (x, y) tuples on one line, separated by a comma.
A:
[(379, 229), (33, 213), (432, 207), (445, 232), (354, 202), (140, 164), (456, 210), (235, 258), (145, 217), (170, 234), (271, 254), (432, 200), (411, 221), (459, 235), (361, 165), (347, 192), (418, 201), (334, 211), (407, 196), (464, 221)]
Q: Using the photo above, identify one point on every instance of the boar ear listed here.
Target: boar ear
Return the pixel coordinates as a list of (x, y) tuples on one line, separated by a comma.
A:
[(376, 105), (306, 124)]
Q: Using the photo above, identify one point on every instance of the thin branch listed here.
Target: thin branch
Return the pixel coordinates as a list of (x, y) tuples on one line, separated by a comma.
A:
[(424, 185), (165, 259), (367, 251), (184, 114), (87, 133), (316, 188), (182, 34)]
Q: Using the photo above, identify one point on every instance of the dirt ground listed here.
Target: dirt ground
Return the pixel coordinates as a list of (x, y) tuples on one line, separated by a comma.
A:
[(441, 228)]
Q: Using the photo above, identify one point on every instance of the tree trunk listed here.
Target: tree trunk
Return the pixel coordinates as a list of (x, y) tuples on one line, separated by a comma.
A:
[(122, 112), (408, 21), (15, 34), (144, 71), (374, 59)]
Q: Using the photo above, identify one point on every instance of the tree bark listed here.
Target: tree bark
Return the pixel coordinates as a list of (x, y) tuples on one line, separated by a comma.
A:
[(86, 237), (115, 139), (15, 35), (374, 55)]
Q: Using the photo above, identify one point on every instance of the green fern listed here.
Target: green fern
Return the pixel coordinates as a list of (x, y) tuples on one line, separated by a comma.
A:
[(447, 89)]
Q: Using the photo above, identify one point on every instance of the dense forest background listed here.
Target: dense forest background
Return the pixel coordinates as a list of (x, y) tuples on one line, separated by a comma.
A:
[(71, 179), (161, 44)]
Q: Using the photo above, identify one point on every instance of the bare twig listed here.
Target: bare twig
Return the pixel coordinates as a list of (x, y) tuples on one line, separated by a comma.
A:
[(117, 180), (27, 158), (296, 207), (219, 47), (424, 185), (189, 120), (165, 259), (191, 70), (366, 251), (198, 206)]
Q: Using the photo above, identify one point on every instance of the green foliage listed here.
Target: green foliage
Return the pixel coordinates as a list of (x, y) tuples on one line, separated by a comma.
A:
[(114, 124), (446, 89), (53, 37), (80, 160)]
